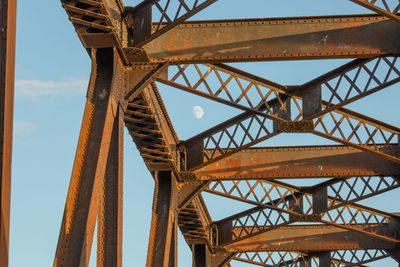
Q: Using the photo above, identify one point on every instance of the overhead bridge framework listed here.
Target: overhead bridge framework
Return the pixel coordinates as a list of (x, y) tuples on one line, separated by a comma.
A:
[(287, 225)]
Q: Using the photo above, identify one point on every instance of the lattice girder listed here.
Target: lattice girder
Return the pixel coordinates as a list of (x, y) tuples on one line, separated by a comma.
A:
[(286, 106), (279, 204)]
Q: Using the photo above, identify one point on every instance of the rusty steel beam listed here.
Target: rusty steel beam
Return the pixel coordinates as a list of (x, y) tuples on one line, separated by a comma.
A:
[(109, 231), (151, 129), (201, 256), (90, 160), (162, 244), (194, 221), (91, 223), (388, 8), (140, 79), (98, 23), (298, 162), (309, 238), (273, 39), (189, 191), (8, 10)]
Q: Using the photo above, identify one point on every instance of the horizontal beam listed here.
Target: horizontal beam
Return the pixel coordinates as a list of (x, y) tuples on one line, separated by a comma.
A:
[(273, 39), (299, 162), (308, 238)]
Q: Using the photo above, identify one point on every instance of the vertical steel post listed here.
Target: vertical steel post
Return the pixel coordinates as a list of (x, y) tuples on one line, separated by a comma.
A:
[(109, 231), (325, 259), (162, 243), (8, 9), (200, 255), (90, 162), (173, 251), (312, 102)]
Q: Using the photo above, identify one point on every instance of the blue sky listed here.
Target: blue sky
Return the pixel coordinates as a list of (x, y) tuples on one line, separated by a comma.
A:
[(52, 70)]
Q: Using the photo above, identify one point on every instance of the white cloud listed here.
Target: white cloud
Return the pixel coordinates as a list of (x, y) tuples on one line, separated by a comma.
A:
[(36, 88), (22, 128)]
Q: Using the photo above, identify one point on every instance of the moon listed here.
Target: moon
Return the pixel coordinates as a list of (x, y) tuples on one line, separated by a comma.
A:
[(198, 112)]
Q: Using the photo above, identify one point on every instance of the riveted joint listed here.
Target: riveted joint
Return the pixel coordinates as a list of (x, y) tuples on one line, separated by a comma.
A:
[(305, 126)]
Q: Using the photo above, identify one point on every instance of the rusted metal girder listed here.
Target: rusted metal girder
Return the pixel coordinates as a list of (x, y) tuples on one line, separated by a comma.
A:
[(308, 238), (90, 166), (98, 23), (109, 231), (194, 222), (151, 129), (163, 233), (272, 39), (298, 162), (8, 9), (201, 256)]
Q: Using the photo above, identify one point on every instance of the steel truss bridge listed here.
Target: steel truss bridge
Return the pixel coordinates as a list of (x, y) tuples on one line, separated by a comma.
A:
[(319, 225)]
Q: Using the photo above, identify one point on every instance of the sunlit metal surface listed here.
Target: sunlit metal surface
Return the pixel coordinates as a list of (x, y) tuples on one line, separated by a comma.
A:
[(320, 225)]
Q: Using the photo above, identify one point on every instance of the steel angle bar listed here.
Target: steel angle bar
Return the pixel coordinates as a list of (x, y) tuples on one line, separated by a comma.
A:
[(388, 8), (357, 130), (279, 258), (230, 86), (351, 82)]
